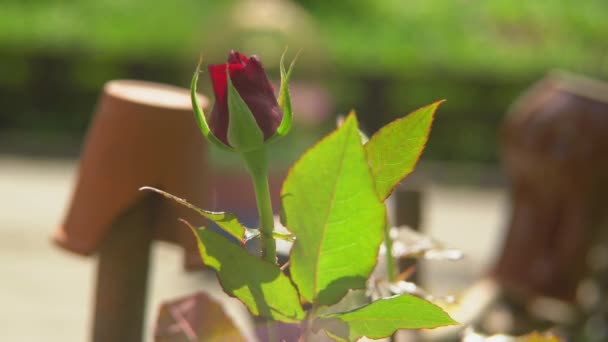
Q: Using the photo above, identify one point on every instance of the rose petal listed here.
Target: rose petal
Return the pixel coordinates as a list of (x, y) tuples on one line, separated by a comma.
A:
[(249, 78), (237, 58)]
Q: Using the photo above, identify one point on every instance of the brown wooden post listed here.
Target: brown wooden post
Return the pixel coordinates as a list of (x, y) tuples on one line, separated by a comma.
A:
[(408, 207), (374, 112), (142, 134), (408, 212), (122, 275)]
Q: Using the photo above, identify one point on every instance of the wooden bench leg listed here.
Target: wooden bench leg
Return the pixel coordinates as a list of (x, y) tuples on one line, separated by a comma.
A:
[(122, 275)]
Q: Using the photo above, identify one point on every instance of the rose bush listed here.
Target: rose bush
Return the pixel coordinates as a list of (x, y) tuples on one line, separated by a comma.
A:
[(332, 202)]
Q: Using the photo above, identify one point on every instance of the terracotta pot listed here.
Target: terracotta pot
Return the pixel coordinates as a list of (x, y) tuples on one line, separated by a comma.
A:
[(142, 134), (555, 152)]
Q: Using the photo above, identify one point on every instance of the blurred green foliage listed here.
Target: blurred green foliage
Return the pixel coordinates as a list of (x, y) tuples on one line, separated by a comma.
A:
[(498, 37), (103, 28), (384, 58), (490, 38)]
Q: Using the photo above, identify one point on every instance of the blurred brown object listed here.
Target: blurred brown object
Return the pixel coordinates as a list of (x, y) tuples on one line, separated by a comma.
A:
[(555, 152), (195, 318), (142, 133)]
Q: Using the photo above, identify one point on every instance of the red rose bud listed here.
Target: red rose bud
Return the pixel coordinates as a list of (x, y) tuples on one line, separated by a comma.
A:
[(251, 83)]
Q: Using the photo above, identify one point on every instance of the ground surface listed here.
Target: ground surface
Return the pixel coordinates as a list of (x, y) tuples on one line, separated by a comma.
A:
[(46, 293)]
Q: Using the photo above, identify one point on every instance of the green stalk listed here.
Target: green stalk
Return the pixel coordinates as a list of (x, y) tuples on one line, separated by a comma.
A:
[(391, 268), (257, 164), (390, 261)]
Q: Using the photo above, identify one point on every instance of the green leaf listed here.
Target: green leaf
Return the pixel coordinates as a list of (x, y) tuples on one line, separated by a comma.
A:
[(330, 204), (260, 285), (244, 134), (226, 221), (199, 115), (395, 149), (352, 300), (383, 317)]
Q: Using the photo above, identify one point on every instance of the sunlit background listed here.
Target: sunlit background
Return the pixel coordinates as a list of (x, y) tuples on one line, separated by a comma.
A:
[(382, 58)]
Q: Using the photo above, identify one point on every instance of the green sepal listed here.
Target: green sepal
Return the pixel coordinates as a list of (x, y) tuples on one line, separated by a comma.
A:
[(244, 134), (284, 100), (199, 115)]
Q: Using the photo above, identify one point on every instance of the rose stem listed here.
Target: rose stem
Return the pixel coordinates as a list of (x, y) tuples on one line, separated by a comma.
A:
[(257, 165), (391, 269), (390, 260)]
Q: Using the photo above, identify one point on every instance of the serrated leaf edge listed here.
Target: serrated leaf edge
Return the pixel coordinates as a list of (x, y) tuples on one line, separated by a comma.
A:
[(377, 133), (351, 115)]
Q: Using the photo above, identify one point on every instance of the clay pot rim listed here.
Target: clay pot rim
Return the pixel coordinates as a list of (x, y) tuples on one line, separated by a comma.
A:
[(152, 94), (578, 85), (559, 80)]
